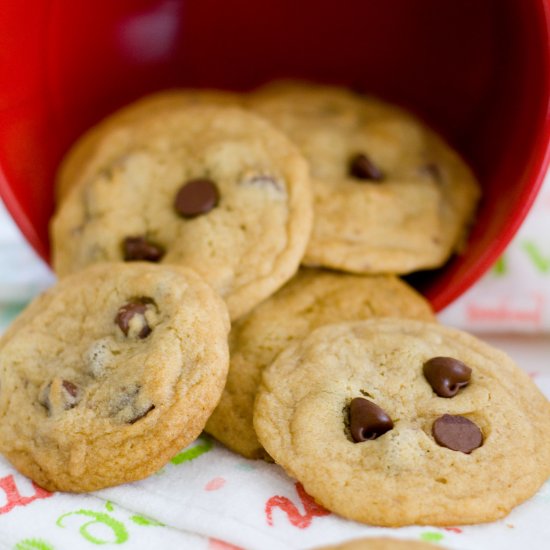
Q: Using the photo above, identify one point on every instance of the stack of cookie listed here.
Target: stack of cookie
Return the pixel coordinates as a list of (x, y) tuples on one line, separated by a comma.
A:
[(336, 370)]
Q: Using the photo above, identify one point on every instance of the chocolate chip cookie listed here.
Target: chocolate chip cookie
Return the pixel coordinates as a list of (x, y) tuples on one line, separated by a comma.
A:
[(384, 543), (108, 374), (79, 162), (213, 188), (390, 195), (395, 422), (311, 299)]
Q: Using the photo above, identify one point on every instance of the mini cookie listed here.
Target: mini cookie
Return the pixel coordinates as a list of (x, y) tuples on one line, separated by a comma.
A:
[(108, 374), (390, 195), (384, 543), (78, 164), (216, 189), (354, 412), (311, 299)]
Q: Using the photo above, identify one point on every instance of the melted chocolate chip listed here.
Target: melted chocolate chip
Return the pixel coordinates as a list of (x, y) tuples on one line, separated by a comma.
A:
[(122, 398), (433, 171), (72, 394), (70, 388), (367, 420), (446, 375), (140, 249), (196, 197), (141, 415), (59, 395), (361, 167), (125, 315), (457, 433)]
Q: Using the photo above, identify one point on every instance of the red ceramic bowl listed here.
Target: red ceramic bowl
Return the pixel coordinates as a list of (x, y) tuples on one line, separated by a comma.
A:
[(477, 70)]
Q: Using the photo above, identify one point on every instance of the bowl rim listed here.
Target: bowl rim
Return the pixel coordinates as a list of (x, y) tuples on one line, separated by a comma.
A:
[(540, 159)]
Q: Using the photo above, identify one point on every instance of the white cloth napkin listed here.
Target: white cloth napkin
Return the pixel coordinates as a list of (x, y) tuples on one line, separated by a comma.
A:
[(515, 294), (209, 498), (33, 519)]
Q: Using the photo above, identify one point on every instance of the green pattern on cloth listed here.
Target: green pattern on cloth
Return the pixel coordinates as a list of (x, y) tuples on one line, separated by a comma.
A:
[(118, 529), (8, 312), (431, 536), (204, 445)]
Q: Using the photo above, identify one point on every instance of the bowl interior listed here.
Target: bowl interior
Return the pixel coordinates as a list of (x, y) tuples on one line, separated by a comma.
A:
[(476, 70)]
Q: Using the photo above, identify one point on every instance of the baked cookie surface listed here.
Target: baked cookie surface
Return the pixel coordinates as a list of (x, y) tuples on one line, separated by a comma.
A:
[(216, 189), (311, 299), (390, 196), (108, 374), (383, 543), (78, 164), (357, 413)]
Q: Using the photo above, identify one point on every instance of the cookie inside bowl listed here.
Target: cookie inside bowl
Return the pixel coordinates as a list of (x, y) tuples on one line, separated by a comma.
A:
[(484, 94)]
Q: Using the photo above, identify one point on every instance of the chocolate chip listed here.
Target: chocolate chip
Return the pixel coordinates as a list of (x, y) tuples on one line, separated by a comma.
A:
[(457, 433), (141, 249), (125, 315), (361, 167), (196, 197), (141, 415), (446, 375), (433, 171), (70, 388), (123, 398), (367, 420), (59, 395), (71, 397)]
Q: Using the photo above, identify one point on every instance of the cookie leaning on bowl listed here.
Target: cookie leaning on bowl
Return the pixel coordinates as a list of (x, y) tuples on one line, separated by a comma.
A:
[(311, 299), (109, 373), (395, 422), (214, 188), (390, 195)]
